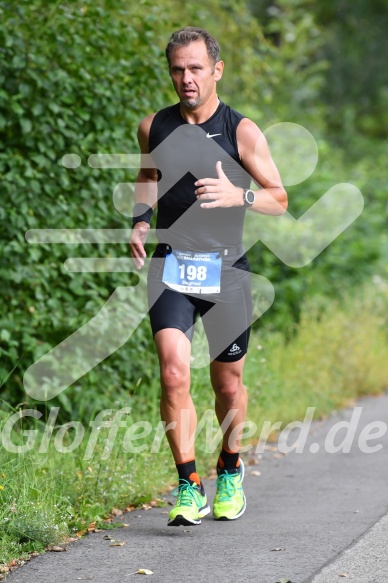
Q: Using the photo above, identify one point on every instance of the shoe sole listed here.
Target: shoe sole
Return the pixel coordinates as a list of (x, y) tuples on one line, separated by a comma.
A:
[(181, 520), (244, 506)]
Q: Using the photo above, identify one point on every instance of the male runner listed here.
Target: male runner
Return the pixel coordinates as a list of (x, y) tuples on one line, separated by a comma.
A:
[(199, 266)]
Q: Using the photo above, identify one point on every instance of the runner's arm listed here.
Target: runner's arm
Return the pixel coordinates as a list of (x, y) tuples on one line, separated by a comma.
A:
[(271, 199), (145, 194)]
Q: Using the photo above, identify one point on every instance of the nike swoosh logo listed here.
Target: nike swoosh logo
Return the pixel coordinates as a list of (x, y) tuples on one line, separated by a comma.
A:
[(212, 135)]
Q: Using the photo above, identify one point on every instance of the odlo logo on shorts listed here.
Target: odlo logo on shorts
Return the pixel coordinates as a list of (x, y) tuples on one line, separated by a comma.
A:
[(234, 350)]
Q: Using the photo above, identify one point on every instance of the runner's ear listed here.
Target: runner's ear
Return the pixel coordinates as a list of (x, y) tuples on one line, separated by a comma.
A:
[(218, 70)]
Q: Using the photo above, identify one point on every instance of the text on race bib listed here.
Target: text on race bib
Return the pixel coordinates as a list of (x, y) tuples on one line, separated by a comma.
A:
[(193, 272)]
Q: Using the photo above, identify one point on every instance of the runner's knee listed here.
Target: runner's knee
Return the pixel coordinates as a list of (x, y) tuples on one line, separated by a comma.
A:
[(228, 390), (175, 381)]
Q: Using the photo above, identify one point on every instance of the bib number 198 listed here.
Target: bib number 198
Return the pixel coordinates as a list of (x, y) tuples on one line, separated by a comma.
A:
[(192, 272)]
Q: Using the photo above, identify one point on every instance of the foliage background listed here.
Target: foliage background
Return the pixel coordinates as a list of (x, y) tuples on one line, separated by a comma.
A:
[(77, 76)]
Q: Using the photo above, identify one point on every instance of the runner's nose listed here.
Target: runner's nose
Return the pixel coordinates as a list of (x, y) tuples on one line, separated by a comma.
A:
[(187, 78)]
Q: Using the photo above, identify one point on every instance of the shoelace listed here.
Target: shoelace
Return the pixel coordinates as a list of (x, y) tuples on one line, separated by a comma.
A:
[(226, 487), (186, 492)]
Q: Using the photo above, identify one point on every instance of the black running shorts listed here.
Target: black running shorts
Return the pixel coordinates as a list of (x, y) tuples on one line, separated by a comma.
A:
[(226, 316)]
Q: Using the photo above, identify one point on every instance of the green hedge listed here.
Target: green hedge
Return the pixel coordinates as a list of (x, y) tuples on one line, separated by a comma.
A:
[(76, 77)]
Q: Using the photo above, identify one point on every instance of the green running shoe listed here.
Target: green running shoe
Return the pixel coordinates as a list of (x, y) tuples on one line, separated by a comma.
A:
[(190, 507), (229, 501)]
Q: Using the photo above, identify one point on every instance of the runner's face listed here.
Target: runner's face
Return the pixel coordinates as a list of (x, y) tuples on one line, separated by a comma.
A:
[(192, 74)]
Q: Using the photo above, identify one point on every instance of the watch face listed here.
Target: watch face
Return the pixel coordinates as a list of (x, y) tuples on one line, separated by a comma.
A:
[(249, 196)]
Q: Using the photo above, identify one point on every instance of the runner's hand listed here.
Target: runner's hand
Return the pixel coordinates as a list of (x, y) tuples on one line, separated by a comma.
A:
[(138, 239), (219, 190)]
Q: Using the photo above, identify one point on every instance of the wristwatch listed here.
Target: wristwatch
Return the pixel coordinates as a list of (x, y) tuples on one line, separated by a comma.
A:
[(249, 198)]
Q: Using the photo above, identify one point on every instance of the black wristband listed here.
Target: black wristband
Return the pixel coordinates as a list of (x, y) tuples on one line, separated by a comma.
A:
[(141, 212)]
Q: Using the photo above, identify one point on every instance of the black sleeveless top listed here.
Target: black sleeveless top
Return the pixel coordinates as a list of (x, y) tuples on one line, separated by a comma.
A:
[(183, 153)]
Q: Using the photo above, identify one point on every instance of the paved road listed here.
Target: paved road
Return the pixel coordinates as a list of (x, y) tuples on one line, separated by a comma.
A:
[(325, 512), (364, 562)]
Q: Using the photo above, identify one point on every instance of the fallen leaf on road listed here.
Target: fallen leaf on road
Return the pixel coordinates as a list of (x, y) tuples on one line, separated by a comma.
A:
[(116, 512), (57, 549), (116, 543), (82, 532), (344, 575), (278, 549), (255, 473), (142, 572)]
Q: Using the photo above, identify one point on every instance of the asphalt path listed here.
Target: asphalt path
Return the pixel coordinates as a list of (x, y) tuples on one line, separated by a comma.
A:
[(316, 516)]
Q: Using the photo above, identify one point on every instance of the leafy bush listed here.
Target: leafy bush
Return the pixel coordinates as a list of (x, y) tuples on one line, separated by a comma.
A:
[(75, 79)]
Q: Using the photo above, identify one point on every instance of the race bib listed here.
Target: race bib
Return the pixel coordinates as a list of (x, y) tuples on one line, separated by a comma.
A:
[(193, 272)]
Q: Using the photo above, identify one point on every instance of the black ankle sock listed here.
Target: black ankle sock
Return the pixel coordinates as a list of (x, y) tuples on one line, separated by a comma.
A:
[(228, 461), (188, 471)]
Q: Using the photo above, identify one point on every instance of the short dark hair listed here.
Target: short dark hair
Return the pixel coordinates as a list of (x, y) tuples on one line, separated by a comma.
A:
[(189, 34)]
